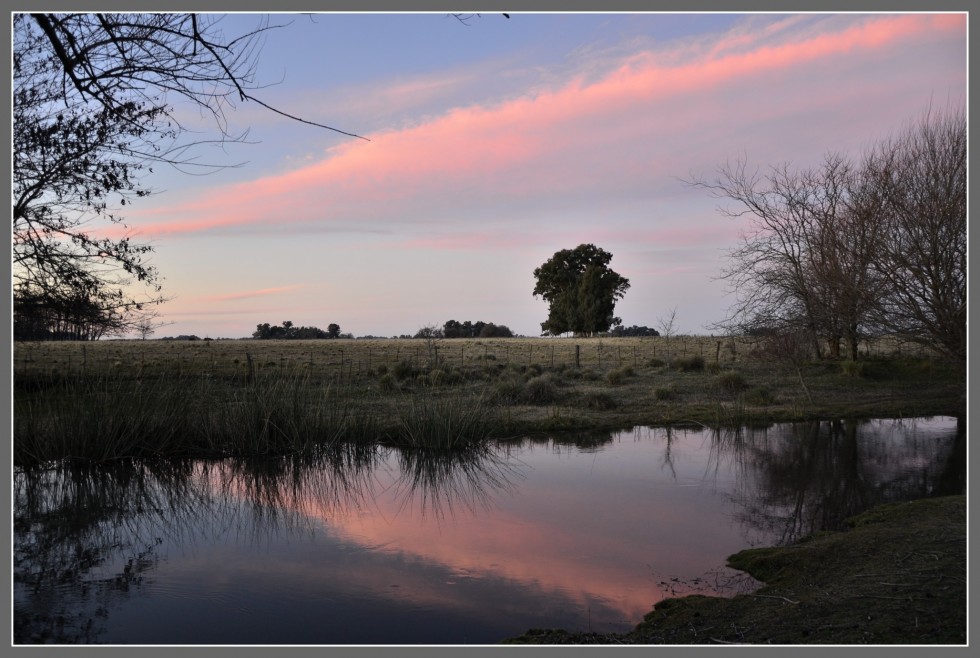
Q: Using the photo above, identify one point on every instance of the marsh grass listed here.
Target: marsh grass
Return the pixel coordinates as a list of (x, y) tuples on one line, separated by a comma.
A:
[(100, 419), (445, 422), (98, 410)]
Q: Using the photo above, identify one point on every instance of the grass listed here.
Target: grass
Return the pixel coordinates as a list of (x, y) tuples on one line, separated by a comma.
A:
[(896, 575), (106, 400)]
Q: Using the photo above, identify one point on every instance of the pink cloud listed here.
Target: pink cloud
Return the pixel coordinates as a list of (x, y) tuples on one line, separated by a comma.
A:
[(536, 144), (252, 293)]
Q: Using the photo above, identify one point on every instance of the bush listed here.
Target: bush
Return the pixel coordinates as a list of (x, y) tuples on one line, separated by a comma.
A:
[(855, 368), (759, 396), (533, 370), (731, 381), (405, 369), (387, 382), (508, 389), (598, 400), (616, 377), (540, 390), (690, 364)]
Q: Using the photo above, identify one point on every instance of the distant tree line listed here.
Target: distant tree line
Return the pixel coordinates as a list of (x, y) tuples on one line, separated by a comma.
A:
[(629, 332), (468, 329), (289, 331), (73, 317)]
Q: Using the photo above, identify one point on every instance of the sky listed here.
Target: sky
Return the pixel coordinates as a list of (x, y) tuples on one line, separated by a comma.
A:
[(493, 143)]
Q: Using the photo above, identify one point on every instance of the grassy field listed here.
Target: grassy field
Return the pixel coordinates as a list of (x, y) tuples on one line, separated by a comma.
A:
[(106, 399)]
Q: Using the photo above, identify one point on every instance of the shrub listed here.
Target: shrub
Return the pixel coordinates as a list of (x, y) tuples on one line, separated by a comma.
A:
[(540, 390), (855, 368), (730, 381), (405, 369), (598, 400), (437, 377), (616, 377), (508, 389), (387, 382), (690, 364), (759, 396)]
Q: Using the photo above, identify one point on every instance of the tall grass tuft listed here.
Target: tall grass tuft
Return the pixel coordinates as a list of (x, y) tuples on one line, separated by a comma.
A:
[(101, 419), (445, 422), (731, 381)]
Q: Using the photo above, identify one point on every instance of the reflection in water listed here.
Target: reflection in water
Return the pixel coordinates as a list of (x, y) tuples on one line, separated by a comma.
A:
[(430, 547), (805, 477)]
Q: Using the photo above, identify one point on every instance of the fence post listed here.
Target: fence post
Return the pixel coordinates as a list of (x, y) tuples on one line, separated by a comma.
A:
[(577, 362)]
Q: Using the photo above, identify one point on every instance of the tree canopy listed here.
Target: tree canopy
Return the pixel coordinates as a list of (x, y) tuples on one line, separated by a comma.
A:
[(581, 291)]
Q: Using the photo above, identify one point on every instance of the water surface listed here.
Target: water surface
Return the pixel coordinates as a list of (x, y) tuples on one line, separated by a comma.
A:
[(379, 546)]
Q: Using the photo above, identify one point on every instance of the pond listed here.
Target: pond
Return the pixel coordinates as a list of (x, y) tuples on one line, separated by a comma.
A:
[(368, 545)]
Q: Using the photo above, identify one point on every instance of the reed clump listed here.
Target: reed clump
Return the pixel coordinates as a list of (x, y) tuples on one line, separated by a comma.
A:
[(445, 422)]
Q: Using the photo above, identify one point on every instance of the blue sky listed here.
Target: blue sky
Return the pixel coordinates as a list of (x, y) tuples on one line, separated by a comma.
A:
[(496, 143)]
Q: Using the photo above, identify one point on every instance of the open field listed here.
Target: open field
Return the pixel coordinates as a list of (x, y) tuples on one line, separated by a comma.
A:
[(103, 399), (345, 358)]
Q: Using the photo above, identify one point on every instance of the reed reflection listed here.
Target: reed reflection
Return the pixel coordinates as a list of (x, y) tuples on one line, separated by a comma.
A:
[(85, 538), (440, 481), (88, 537)]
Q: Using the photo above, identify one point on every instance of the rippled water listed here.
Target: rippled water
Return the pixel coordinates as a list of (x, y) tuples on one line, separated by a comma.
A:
[(379, 546)]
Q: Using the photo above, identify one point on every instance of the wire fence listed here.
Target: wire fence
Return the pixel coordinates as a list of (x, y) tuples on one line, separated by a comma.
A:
[(346, 358)]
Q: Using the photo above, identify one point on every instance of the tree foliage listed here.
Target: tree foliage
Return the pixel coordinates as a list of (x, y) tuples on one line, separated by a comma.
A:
[(288, 331), (581, 291), (633, 331), (479, 329), (855, 248)]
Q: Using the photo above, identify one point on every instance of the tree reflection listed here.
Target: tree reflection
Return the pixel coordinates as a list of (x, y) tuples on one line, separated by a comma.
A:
[(800, 478)]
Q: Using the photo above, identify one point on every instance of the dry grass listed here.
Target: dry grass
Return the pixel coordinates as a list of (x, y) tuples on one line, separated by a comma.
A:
[(206, 389)]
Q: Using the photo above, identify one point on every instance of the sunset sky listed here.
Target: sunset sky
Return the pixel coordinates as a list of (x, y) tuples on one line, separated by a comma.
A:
[(495, 143)]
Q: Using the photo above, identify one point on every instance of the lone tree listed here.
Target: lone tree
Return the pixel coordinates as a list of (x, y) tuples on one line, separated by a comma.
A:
[(581, 289)]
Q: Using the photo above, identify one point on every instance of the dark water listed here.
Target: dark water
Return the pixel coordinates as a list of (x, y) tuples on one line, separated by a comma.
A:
[(376, 546)]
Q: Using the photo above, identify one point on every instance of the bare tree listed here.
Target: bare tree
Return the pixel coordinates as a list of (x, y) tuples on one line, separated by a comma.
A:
[(920, 177), (804, 264), (849, 250), (667, 329)]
